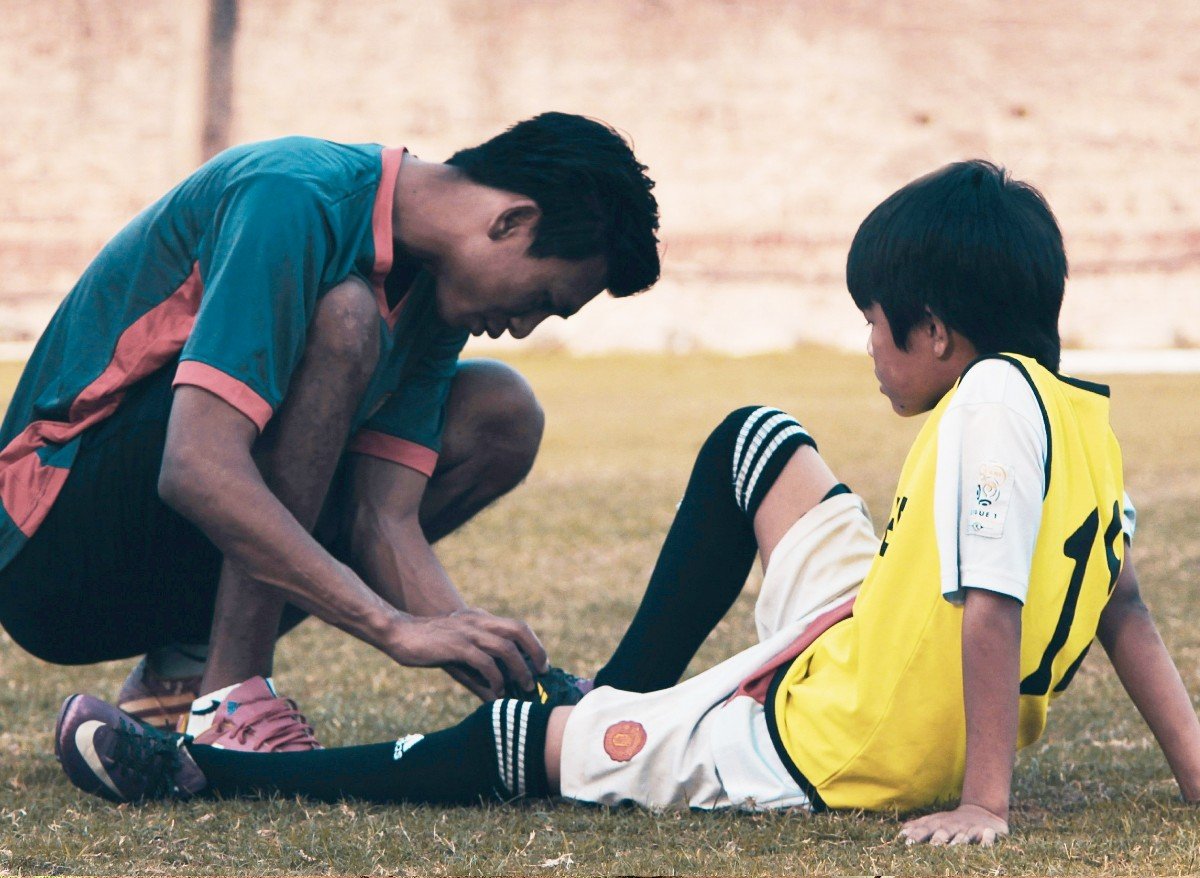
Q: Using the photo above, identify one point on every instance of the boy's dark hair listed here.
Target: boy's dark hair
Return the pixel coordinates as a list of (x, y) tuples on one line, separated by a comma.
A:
[(976, 248), (593, 193)]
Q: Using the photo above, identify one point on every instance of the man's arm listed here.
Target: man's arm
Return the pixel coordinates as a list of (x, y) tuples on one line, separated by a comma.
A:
[(388, 549), (991, 656), (1150, 677), (209, 476)]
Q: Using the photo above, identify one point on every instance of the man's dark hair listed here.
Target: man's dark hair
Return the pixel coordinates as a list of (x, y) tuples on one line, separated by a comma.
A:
[(972, 246), (593, 193)]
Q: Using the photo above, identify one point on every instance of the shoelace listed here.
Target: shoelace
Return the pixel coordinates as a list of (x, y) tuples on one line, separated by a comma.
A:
[(293, 728), (557, 681), (144, 752)]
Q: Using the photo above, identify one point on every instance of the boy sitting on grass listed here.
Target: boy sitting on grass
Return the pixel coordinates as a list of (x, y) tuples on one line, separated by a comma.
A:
[(900, 674)]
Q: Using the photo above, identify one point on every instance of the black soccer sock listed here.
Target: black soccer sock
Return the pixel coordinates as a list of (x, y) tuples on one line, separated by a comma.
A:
[(708, 551), (495, 753)]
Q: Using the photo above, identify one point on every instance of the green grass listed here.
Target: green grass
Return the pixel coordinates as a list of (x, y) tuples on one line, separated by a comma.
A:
[(570, 551)]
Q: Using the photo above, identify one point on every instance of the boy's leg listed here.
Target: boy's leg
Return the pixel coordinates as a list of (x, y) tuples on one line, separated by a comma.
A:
[(755, 476), (496, 753)]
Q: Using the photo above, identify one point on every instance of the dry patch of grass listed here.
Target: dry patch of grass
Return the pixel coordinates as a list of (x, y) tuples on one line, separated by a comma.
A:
[(570, 551)]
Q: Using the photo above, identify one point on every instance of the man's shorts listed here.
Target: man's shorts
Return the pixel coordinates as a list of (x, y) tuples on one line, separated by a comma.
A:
[(692, 745), (113, 571)]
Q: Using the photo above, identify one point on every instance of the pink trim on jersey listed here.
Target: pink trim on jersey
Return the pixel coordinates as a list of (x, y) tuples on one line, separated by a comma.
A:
[(757, 684), (400, 451), (381, 228), (23, 487), (27, 486), (237, 393)]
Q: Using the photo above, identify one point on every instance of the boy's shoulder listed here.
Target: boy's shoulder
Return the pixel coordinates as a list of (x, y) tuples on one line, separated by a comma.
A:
[(996, 379)]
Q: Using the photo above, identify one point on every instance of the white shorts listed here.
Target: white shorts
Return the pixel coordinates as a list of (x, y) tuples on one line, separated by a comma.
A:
[(693, 746)]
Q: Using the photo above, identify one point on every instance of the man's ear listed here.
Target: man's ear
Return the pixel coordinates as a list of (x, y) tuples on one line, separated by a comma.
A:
[(517, 218)]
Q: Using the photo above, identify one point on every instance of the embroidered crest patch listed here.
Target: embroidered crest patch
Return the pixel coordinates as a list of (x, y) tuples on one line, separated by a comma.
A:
[(624, 740), (992, 492)]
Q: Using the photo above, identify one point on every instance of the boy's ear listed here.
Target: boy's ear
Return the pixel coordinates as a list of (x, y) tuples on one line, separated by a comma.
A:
[(941, 340), (518, 217)]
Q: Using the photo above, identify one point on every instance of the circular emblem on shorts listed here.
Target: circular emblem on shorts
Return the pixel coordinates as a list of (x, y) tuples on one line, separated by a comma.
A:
[(624, 740)]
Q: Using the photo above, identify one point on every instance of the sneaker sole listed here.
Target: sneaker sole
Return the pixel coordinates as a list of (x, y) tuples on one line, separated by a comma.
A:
[(163, 712)]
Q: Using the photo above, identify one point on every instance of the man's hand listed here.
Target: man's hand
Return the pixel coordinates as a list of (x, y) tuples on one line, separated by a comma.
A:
[(475, 647), (966, 824)]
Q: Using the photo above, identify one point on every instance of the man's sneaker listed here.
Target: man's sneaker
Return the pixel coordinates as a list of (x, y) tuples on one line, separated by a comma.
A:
[(555, 688), (155, 700), (254, 719), (107, 752)]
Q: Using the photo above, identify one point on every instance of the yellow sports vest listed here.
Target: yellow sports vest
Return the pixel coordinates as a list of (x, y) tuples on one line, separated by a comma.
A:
[(871, 715)]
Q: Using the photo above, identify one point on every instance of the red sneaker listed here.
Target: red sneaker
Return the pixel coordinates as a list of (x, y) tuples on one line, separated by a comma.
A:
[(157, 701), (254, 719)]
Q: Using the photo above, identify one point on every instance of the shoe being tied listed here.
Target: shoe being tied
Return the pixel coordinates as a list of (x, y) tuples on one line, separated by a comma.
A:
[(253, 718), (156, 700), (555, 688), (107, 752)]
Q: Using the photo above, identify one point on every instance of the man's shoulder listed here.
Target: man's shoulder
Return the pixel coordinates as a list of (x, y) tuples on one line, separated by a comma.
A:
[(330, 170)]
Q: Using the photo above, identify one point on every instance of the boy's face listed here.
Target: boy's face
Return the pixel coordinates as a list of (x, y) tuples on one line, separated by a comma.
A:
[(495, 287), (915, 379)]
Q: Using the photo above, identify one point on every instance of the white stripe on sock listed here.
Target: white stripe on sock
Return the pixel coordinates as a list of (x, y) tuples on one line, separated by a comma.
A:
[(511, 766), (521, 749), (496, 708), (794, 430), (759, 436), (741, 439)]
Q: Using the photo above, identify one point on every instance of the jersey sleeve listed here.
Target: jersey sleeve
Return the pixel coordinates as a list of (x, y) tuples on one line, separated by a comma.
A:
[(407, 428), (260, 263), (991, 480)]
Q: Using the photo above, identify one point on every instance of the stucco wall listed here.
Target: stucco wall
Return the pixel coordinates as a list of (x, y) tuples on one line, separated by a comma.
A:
[(772, 127)]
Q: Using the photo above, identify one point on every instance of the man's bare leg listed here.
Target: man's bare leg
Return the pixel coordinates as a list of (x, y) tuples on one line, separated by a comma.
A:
[(493, 430), (297, 455)]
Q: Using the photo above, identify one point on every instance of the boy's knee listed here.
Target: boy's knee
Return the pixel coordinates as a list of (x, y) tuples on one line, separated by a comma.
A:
[(751, 443)]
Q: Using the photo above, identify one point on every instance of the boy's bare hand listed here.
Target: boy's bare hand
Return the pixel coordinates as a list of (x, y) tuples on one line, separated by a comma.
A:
[(966, 824)]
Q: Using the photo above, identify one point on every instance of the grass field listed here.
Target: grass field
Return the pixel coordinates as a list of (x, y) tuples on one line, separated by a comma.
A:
[(570, 551)]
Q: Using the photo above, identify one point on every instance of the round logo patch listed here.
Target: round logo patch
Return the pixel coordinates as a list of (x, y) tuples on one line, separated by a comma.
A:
[(624, 740)]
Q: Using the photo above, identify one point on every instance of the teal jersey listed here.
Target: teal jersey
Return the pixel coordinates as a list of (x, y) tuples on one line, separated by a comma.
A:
[(221, 276)]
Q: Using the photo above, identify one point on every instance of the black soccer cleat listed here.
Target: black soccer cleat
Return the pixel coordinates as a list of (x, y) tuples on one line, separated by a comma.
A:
[(555, 688)]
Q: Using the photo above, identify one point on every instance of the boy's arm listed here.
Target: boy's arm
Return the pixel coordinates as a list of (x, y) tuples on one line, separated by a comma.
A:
[(1150, 677), (991, 657)]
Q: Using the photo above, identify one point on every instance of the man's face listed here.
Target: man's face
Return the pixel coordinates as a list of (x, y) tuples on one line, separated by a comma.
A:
[(496, 287), (915, 379)]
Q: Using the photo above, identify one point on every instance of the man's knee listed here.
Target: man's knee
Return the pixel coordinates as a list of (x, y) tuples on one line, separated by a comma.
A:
[(493, 414), (344, 334)]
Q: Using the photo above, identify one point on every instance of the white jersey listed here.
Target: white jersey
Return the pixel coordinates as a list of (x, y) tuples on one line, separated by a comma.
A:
[(991, 478)]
